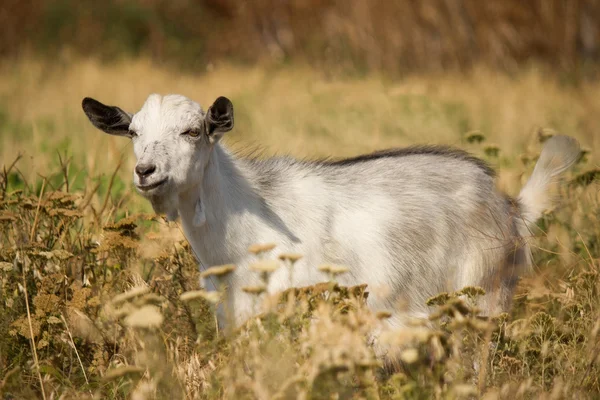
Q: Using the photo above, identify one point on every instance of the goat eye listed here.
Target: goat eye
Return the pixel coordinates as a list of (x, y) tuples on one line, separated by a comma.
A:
[(132, 133), (192, 133)]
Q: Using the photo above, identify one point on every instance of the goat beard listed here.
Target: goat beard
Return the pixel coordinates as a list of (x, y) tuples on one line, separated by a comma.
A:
[(166, 205)]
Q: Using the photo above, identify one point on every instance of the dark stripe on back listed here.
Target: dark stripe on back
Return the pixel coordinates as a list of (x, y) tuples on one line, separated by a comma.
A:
[(442, 151)]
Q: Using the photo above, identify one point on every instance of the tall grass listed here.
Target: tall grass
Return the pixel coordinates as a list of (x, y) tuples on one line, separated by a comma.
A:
[(41, 117), (345, 35), (99, 299)]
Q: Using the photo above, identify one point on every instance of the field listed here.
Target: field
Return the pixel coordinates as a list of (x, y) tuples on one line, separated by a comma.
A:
[(100, 299)]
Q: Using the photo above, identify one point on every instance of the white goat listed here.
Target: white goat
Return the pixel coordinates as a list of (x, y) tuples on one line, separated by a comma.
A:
[(410, 223)]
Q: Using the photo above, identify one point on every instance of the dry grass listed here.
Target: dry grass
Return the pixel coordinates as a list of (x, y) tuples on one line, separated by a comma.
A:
[(349, 35), (292, 110), (115, 306), (393, 36)]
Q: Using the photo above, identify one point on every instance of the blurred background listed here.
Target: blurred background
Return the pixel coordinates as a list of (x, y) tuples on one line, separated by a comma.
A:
[(311, 78), (356, 36), (308, 78)]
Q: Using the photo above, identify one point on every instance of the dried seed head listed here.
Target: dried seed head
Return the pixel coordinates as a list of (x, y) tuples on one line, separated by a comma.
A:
[(82, 326), (475, 137), (437, 350), (256, 290), (219, 270), (409, 356), (438, 300), (292, 257), (471, 291), (58, 254), (333, 269), (150, 298), (421, 335), (544, 134), (62, 197), (153, 236), (261, 248), (383, 314), (463, 390), (583, 158), (324, 268), (265, 266), (146, 317), (192, 295), (122, 372), (492, 150), (133, 293), (6, 266), (338, 269), (586, 178), (211, 297), (64, 212)]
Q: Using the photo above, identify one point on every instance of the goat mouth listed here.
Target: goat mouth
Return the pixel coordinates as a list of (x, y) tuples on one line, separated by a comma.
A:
[(147, 188)]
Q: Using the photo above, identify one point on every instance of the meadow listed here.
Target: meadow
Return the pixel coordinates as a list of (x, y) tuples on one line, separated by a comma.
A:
[(99, 298)]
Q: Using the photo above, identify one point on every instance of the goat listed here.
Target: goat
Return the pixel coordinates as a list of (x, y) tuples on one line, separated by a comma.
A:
[(410, 223)]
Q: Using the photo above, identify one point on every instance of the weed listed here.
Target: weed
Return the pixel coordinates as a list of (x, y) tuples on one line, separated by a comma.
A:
[(112, 305)]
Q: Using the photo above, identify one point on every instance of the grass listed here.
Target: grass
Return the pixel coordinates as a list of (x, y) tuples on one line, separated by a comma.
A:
[(100, 299), (355, 36)]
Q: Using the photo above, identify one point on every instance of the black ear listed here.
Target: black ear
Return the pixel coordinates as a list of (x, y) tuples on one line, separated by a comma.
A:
[(219, 118), (109, 119)]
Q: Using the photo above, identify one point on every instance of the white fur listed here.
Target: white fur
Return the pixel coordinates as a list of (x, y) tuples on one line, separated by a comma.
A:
[(409, 224)]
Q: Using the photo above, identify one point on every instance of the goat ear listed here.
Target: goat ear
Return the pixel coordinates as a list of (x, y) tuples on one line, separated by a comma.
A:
[(219, 119), (109, 119)]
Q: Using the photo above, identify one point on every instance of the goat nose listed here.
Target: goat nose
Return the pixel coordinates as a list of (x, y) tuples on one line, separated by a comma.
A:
[(143, 170)]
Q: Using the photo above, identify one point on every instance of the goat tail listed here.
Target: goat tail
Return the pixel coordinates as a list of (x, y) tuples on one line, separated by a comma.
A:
[(558, 154)]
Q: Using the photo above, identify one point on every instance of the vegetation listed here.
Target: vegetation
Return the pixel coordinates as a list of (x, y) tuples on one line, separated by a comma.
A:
[(353, 36), (100, 299)]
